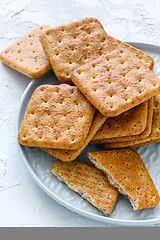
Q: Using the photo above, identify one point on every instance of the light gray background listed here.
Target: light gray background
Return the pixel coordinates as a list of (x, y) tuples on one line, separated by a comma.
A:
[(22, 203)]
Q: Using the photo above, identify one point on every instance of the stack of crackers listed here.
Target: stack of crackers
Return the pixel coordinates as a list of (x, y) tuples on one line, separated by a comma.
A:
[(115, 102)]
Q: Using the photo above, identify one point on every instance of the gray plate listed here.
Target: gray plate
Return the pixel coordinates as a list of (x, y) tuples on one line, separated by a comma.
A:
[(39, 164)]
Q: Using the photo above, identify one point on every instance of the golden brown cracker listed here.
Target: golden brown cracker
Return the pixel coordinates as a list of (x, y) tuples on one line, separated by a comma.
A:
[(71, 45), (129, 123), (70, 155), (96, 190), (27, 55), (116, 82), (154, 135), (146, 58), (57, 116), (127, 172), (130, 126), (145, 143)]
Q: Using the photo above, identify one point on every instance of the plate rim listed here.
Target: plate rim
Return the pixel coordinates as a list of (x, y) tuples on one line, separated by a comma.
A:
[(124, 222)]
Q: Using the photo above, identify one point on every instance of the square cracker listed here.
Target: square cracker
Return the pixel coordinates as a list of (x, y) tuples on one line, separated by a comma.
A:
[(96, 190), (57, 116), (71, 45), (116, 82), (153, 136), (127, 172), (70, 155), (132, 122), (129, 123), (26, 55), (147, 59)]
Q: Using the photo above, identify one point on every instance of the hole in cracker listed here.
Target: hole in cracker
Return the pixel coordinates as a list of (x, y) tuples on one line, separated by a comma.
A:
[(42, 89), (61, 102), (122, 62), (33, 51), (125, 87), (111, 106), (81, 116), (68, 128), (109, 82), (107, 58), (45, 100), (18, 43), (111, 95), (107, 69), (76, 103), (36, 126), (48, 113), (100, 54), (29, 35), (19, 51), (141, 175), (35, 60), (155, 106), (56, 90), (59, 41), (103, 39), (41, 28), (67, 74), (126, 114), (121, 51), (94, 89), (124, 74), (31, 43), (52, 126), (93, 65), (135, 125), (79, 72), (37, 69), (111, 166), (40, 137), (75, 37), (138, 67), (117, 126), (72, 91), (72, 139), (57, 54), (87, 45), (124, 177), (127, 164), (85, 58), (70, 62), (140, 91), (93, 77), (64, 115), (6, 52), (138, 188), (154, 84), (62, 29), (129, 153), (24, 136), (32, 112), (21, 60), (126, 99)]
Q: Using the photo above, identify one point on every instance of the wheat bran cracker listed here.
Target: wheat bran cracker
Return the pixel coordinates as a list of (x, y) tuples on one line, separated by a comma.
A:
[(26, 55), (153, 136), (130, 128), (116, 82), (96, 190), (57, 116), (73, 44), (127, 172)]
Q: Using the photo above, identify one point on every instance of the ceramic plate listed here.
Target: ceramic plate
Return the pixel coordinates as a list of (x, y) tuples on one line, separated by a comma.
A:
[(39, 164)]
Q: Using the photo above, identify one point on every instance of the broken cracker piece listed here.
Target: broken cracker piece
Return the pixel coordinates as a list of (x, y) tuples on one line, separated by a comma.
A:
[(127, 172), (96, 190)]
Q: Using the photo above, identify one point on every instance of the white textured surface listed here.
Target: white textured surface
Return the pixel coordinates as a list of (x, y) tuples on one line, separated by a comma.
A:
[(22, 203)]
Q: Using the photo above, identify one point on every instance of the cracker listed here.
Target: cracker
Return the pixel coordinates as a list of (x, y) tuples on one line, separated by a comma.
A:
[(129, 123), (147, 59), (27, 56), (154, 135), (70, 155), (127, 172), (145, 143), (58, 116), (137, 118), (96, 190), (71, 45), (116, 82)]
